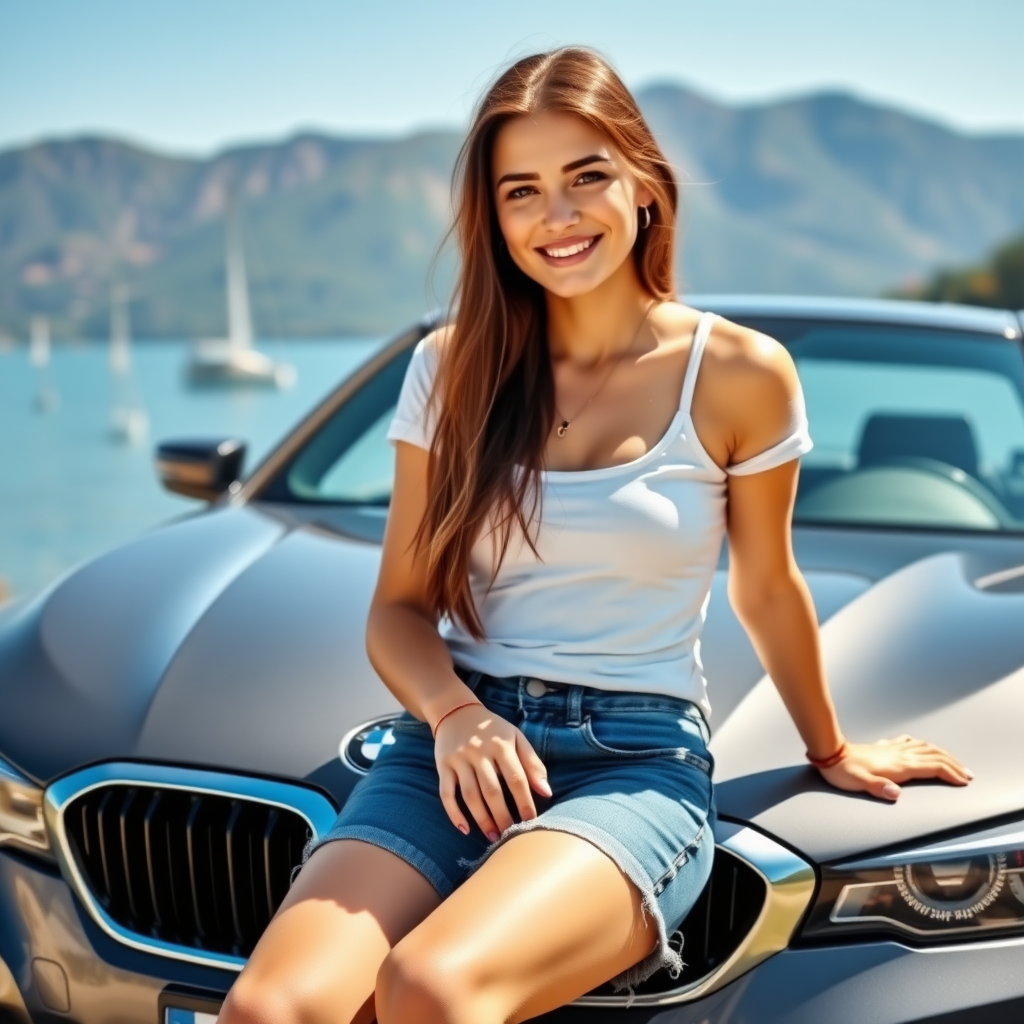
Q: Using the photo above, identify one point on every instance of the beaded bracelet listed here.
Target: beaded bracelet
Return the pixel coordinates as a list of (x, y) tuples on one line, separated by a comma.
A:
[(451, 711), (834, 759)]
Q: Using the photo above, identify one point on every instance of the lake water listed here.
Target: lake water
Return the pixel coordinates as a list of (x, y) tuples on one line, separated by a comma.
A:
[(69, 489)]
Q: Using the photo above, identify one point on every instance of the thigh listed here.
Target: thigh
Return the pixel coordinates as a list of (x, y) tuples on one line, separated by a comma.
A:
[(545, 919), (319, 957)]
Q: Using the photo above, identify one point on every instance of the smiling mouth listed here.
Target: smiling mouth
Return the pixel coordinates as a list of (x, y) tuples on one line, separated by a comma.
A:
[(569, 251)]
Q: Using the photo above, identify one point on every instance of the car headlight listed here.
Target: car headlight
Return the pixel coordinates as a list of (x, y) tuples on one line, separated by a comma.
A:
[(971, 887), (21, 812)]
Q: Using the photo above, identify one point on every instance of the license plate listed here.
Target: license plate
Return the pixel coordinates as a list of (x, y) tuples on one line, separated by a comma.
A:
[(175, 1015)]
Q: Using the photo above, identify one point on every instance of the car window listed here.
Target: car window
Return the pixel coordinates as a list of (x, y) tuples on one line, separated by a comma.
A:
[(349, 461), (912, 428), (363, 472)]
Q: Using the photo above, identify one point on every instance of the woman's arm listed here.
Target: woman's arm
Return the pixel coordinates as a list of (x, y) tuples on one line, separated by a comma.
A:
[(772, 600), (473, 746), (401, 633)]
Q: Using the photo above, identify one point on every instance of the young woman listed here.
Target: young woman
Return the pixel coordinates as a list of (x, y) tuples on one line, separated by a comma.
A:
[(570, 454)]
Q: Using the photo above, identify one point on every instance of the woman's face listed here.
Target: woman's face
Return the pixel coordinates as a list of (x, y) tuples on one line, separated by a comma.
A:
[(567, 202)]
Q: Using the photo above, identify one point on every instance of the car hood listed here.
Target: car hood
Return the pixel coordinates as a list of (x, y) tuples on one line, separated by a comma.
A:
[(228, 639), (935, 650), (234, 640)]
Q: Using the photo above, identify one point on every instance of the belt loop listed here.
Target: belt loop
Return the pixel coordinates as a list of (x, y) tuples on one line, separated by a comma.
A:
[(574, 710), (522, 690)]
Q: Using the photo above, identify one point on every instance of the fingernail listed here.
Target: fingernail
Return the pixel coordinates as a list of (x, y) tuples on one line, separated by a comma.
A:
[(493, 836), (890, 790), (969, 773), (545, 787), (464, 829)]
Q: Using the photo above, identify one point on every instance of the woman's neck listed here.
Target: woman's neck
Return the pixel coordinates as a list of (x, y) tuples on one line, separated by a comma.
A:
[(589, 329)]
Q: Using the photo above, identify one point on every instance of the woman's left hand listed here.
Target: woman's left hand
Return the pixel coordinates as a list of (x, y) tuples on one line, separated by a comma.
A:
[(878, 768)]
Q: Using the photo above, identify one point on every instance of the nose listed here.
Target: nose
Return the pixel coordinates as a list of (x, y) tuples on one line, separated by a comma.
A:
[(561, 212)]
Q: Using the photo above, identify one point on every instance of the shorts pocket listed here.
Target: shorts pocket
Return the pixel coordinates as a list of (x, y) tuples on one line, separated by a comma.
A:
[(647, 735)]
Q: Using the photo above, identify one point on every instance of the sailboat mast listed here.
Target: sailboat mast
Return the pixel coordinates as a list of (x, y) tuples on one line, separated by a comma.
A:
[(239, 319), (119, 330)]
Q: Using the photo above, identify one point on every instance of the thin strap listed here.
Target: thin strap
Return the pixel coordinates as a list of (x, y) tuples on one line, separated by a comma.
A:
[(700, 339)]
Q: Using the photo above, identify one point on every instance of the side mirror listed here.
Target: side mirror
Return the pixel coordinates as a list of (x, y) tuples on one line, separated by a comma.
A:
[(200, 469)]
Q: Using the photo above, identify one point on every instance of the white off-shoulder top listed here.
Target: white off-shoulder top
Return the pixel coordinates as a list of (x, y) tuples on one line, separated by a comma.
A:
[(617, 598)]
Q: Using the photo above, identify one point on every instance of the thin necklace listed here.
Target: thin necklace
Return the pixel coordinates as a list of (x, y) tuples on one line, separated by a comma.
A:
[(563, 427)]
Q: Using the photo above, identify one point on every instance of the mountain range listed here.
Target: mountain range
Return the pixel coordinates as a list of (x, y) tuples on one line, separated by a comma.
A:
[(822, 194)]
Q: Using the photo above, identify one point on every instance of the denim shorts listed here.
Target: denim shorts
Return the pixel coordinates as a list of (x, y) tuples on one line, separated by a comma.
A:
[(630, 773)]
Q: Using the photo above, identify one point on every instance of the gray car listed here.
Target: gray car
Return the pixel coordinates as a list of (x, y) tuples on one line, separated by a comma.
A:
[(179, 715)]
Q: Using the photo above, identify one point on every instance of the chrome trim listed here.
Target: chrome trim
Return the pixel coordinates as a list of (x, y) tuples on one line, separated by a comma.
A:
[(10, 775), (343, 744), (789, 882), (315, 809), (996, 578), (11, 1002)]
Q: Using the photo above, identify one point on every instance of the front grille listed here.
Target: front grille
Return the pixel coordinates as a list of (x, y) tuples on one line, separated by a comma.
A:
[(192, 864), (720, 920), (192, 869)]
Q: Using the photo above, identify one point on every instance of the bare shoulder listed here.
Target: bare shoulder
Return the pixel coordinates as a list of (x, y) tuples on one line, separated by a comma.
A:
[(747, 358), (737, 360), (748, 380)]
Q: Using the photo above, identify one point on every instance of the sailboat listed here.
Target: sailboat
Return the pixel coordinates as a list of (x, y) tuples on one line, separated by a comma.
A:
[(46, 397), (128, 420), (233, 360)]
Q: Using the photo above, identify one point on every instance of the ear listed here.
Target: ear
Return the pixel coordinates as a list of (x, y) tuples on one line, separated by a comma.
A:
[(644, 196)]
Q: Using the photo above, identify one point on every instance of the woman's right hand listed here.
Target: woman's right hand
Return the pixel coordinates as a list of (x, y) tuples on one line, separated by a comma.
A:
[(475, 749)]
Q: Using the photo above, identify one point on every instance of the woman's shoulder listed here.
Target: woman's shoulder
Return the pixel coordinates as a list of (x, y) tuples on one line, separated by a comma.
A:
[(748, 383), (738, 355), (434, 342), (415, 416), (426, 356), (743, 365)]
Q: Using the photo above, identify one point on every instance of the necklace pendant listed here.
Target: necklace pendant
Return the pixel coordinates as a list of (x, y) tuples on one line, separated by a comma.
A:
[(563, 428)]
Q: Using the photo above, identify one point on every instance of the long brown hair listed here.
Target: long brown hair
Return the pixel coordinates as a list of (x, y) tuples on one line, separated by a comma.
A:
[(494, 390)]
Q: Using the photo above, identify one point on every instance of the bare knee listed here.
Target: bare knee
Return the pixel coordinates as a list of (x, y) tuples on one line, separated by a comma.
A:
[(258, 999), (416, 985), (252, 1001)]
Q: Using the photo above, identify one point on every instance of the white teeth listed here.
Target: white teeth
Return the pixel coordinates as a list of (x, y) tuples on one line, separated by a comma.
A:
[(570, 250)]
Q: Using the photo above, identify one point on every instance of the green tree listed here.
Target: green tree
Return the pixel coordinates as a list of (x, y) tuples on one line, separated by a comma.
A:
[(998, 282)]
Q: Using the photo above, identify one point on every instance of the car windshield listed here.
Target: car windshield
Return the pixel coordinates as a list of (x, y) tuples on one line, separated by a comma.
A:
[(912, 427)]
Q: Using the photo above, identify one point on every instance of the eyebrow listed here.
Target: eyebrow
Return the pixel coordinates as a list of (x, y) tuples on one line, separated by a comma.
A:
[(575, 165)]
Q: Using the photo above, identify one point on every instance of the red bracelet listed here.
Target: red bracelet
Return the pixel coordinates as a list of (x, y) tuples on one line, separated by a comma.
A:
[(828, 762), (451, 711)]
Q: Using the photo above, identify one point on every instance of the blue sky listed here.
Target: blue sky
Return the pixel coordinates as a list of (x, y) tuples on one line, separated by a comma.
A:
[(194, 75)]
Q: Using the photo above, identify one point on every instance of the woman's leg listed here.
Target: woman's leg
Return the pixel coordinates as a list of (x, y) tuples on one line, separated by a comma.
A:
[(545, 919), (318, 959)]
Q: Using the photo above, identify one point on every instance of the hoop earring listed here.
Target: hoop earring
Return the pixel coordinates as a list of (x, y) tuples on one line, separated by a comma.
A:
[(647, 218)]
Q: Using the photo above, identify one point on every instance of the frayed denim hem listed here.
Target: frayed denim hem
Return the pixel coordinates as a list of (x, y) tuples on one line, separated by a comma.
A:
[(386, 841), (667, 953)]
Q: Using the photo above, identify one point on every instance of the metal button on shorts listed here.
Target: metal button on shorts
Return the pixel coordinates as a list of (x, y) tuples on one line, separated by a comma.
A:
[(535, 688)]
